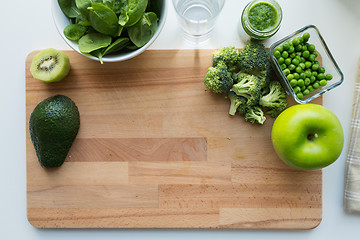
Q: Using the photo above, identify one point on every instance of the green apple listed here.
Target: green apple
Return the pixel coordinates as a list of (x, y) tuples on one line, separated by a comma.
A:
[(307, 136)]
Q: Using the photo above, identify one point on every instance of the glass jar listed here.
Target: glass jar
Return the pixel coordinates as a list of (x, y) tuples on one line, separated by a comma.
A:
[(261, 19)]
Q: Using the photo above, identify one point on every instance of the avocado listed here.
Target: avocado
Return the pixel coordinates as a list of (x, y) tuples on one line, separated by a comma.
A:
[(53, 127)]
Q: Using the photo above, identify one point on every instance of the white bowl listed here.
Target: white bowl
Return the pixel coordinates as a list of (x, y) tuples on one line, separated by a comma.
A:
[(61, 21)]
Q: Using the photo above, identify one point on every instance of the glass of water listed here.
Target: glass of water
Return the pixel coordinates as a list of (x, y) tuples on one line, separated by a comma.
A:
[(197, 18)]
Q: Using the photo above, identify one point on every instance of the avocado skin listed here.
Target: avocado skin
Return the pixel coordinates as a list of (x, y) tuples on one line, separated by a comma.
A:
[(53, 127)]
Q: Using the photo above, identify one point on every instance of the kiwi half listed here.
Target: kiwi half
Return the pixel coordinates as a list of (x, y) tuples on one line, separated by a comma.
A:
[(50, 65)]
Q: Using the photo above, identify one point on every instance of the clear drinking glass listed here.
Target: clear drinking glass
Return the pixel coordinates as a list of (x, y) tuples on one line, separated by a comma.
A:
[(197, 18)]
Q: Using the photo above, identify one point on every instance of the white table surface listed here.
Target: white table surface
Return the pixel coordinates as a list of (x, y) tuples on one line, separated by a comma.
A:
[(28, 25)]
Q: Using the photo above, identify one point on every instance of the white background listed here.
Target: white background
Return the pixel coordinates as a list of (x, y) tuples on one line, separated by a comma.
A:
[(28, 25)]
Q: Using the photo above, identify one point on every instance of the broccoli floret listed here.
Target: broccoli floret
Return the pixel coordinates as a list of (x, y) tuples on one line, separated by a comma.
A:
[(228, 55), (218, 79), (275, 100), (253, 57), (247, 86), (265, 75), (255, 115), (235, 102)]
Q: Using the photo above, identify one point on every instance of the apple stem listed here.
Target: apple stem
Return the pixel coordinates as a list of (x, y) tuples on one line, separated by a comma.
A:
[(312, 136)]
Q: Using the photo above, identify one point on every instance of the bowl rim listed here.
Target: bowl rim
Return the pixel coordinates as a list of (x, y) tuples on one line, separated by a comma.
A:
[(114, 58), (282, 75)]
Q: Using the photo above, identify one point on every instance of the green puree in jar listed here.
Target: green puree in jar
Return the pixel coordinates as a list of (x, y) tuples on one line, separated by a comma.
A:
[(263, 16)]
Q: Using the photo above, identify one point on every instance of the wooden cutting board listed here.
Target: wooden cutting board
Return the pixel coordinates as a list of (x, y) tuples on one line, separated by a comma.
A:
[(157, 150)]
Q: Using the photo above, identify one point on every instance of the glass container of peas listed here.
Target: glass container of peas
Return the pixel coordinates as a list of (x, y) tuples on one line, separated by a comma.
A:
[(305, 65)]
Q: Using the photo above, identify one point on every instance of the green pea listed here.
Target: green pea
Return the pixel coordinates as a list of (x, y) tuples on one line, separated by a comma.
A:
[(291, 67), (311, 48), (292, 55), (317, 62), (302, 75), (323, 82), (310, 88), (286, 71), (308, 73), (315, 67), (293, 82), (303, 88), (315, 53), (283, 66), (312, 57), (296, 75), (295, 41), (302, 65), (298, 47), (290, 77), (295, 61), (314, 73), (316, 85), (306, 36), (281, 60), (312, 79), (297, 89), (320, 76), (285, 46), (298, 69), (304, 48), (285, 54), (288, 61), (306, 92), (306, 54), (299, 95), (279, 48), (300, 83), (302, 59), (328, 76), (321, 70), (307, 64), (291, 49), (307, 81), (277, 54)]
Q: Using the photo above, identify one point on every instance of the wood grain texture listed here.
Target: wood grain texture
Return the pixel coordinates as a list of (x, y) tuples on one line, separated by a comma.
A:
[(155, 149)]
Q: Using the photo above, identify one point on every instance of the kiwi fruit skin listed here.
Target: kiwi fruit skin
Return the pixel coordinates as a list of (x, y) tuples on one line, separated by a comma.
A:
[(50, 65)]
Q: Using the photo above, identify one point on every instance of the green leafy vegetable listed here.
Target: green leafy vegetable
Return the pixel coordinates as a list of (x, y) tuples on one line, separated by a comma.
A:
[(144, 29), (103, 19), (93, 41), (132, 12), (68, 7), (119, 44), (246, 79), (74, 31), (103, 27)]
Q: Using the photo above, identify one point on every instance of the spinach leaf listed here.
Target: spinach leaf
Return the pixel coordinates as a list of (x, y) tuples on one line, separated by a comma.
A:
[(103, 19), (93, 41), (132, 12), (119, 44), (82, 20), (74, 32), (118, 5), (83, 5), (68, 7), (99, 54), (109, 3), (144, 29)]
